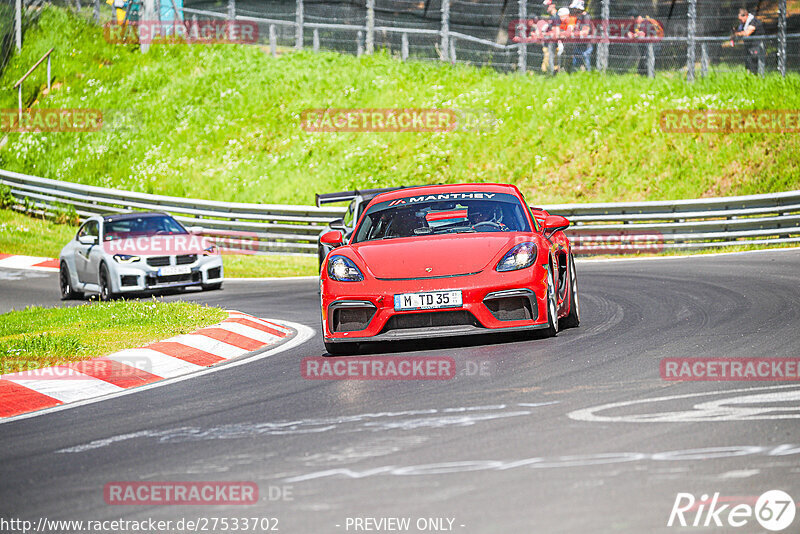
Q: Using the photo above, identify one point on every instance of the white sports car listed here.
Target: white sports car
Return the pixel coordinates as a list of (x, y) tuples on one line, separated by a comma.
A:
[(126, 253)]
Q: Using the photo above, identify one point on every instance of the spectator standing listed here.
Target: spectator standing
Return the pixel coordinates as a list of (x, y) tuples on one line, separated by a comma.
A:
[(564, 30), (750, 26), (544, 29), (581, 51)]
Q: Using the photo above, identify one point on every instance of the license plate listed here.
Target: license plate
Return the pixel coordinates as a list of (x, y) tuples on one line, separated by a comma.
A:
[(429, 300), (174, 269)]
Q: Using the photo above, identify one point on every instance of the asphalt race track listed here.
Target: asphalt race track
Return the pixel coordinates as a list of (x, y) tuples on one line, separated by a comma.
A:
[(519, 441)]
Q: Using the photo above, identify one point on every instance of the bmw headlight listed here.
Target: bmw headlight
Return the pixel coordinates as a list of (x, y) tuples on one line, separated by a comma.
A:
[(343, 269), (519, 257), (125, 258)]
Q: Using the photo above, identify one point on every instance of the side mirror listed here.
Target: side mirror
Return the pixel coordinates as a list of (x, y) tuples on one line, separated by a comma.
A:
[(337, 224), (335, 238), (88, 240), (555, 223)]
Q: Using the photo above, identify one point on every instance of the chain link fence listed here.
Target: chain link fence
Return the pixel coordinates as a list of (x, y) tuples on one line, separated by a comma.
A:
[(692, 35)]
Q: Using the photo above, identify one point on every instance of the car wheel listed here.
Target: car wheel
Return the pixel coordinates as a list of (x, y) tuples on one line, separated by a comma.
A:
[(552, 307), (212, 287), (105, 285), (65, 283), (574, 318), (341, 349)]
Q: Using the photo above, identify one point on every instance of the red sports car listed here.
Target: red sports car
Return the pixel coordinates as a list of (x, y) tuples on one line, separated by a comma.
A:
[(447, 260)]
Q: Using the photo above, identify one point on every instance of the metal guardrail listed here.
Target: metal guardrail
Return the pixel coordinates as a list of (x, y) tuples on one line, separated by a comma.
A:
[(286, 229)]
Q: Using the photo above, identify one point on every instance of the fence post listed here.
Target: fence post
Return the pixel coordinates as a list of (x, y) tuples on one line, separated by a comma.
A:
[(453, 50), (761, 61), (316, 40), (404, 46), (602, 46), (231, 10), (704, 59), (298, 42), (651, 61), (48, 73), (370, 26), (273, 41), (18, 24), (522, 26), (691, 36), (551, 61), (445, 29), (782, 37), (359, 44), (78, 5), (97, 10), (19, 102)]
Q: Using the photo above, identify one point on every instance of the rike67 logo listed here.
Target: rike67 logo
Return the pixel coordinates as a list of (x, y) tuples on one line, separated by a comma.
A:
[(774, 510)]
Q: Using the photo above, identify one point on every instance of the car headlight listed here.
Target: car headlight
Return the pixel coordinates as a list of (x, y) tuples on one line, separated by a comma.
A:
[(519, 257), (125, 258), (343, 269)]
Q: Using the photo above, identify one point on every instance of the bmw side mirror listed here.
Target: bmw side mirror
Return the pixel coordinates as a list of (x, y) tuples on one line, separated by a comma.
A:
[(334, 238), (337, 224), (88, 240)]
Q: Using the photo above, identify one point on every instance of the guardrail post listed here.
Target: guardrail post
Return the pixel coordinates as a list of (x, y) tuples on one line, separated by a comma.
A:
[(703, 59), (782, 37), (48, 74), (453, 50), (97, 10), (522, 29), (359, 44), (273, 41), (602, 47), (370, 26), (316, 40), (231, 10), (761, 61), (551, 61), (691, 36), (19, 100), (404, 46), (18, 24), (298, 42), (445, 31), (651, 61)]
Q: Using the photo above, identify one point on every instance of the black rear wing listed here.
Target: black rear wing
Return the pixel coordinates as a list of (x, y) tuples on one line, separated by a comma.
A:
[(330, 198)]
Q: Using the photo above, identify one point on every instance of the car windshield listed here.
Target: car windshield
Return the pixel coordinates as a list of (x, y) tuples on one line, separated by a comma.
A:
[(141, 226), (438, 214)]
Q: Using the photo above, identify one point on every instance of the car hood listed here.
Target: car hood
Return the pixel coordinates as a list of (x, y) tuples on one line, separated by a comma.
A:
[(432, 256)]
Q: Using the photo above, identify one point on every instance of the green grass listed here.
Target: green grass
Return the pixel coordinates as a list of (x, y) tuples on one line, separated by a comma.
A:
[(20, 234), (267, 266), (223, 122), (40, 337)]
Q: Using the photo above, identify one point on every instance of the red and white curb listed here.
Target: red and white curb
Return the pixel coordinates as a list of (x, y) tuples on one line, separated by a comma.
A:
[(48, 387), (28, 263)]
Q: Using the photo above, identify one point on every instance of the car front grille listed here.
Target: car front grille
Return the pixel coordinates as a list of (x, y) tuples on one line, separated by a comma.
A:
[(158, 261), (510, 308), (184, 259), (430, 320), (173, 279)]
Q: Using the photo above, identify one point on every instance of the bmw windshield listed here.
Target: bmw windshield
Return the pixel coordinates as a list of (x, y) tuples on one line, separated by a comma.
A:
[(448, 213), (146, 225)]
